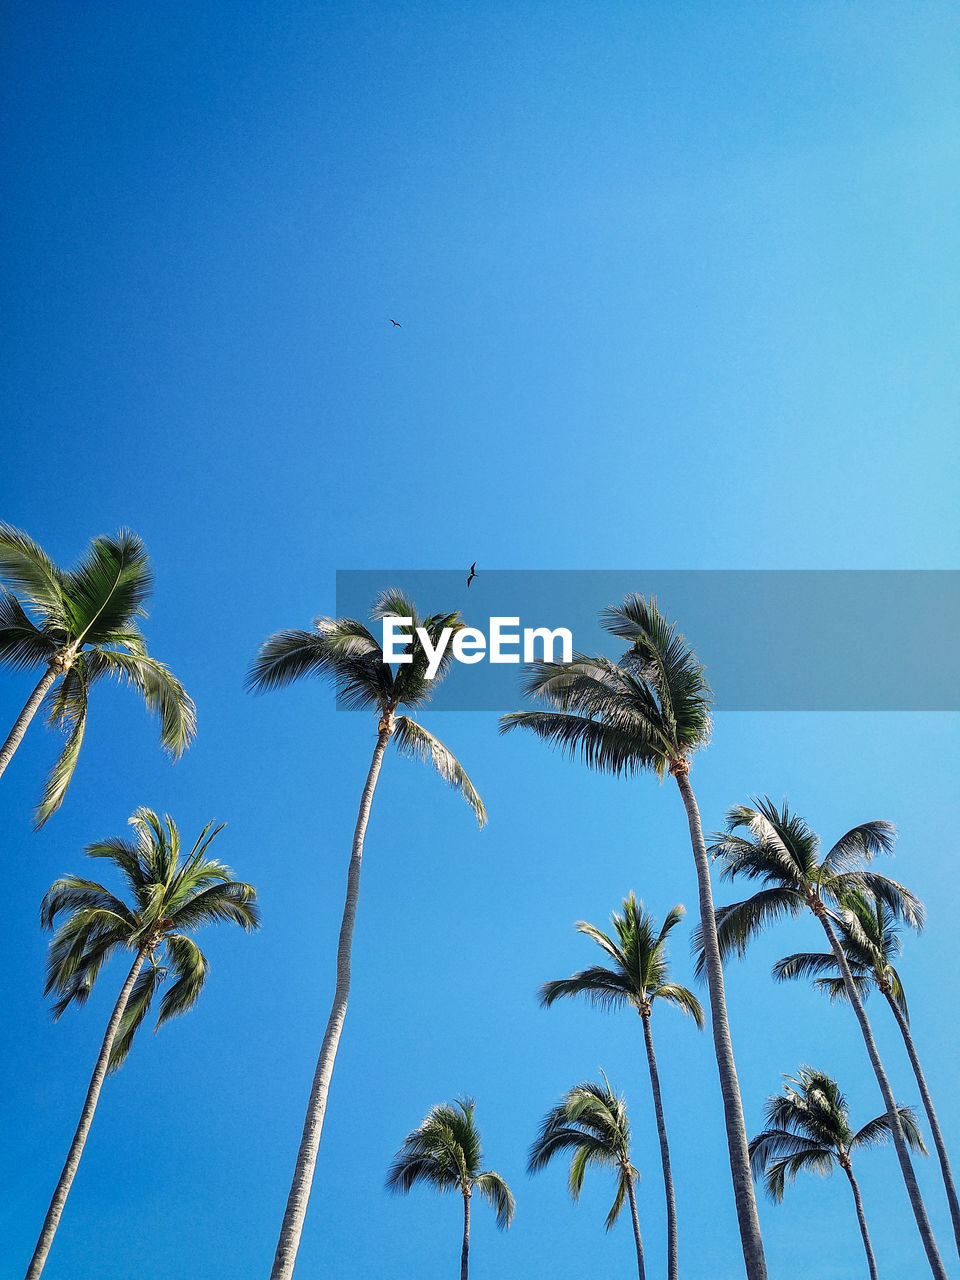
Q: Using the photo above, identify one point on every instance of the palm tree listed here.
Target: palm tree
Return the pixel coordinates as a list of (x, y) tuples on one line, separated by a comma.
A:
[(345, 651), (871, 941), (444, 1152), (782, 851), (638, 977), (650, 712), (170, 897), (591, 1121), (809, 1129), (81, 625)]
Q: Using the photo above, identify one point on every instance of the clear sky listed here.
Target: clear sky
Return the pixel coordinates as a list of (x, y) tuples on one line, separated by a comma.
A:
[(677, 287)]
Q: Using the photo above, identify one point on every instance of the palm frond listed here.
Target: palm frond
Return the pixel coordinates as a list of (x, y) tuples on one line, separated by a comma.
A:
[(234, 902), (413, 740), (108, 588), (609, 748), (603, 987), (189, 966), (860, 844), (805, 964), (683, 999), (138, 1006), (22, 644), (71, 708), (160, 689), (877, 1131), (739, 922), (618, 1200), (30, 571), (498, 1195)]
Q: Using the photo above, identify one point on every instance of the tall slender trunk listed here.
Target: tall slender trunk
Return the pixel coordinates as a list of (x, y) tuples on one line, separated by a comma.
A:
[(465, 1247), (15, 736), (672, 1265), (632, 1197), (896, 1129), (871, 1261), (51, 1221), (750, 1240), (931, 1117), (291, 1227)]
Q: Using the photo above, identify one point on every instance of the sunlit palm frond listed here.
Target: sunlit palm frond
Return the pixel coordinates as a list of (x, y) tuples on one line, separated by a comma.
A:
[(27, 568), (160, 689), (108, 588), (498, 1195), (413, 740)]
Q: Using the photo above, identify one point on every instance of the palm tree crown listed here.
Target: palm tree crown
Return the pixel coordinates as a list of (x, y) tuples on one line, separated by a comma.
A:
[(591, 1122), (81, 625), (445, 1152), (650, 710), (169, 897), (808, 1130), (639, 974), (346, 651), (782, 852), (870, 937)]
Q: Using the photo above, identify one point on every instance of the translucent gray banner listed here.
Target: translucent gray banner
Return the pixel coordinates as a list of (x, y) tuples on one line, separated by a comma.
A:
[(771, 640)]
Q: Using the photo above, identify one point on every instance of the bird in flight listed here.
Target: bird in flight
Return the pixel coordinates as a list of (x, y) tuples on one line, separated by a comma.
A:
[(395, 324), (473, 573)]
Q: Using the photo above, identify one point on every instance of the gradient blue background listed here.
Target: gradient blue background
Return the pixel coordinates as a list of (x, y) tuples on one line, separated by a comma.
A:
[(677, 287)]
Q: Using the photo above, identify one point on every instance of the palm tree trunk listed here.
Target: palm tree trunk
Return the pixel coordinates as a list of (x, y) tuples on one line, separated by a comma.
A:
[(931, 1117), (750, 1240), (632, 1196), (896, 1129), (292, 1226), (52, 1220), (672, 1265), (465, 1248), (871, 1261), (15, 737)]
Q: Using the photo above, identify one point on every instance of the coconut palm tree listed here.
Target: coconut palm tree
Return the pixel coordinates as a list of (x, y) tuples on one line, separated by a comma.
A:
[(782, 851), (591, 1122), (638, 977), (871, 941), (81, 625), (444, 1152), (650, 712), (169, 898), (809, 1130), (345, 651)]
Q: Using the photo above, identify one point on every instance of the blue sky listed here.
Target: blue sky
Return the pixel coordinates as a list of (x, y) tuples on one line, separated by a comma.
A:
[(677, 288)]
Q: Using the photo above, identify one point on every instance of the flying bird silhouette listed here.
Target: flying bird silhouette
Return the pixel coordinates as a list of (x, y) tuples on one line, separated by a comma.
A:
[(395, 324), (473, 573)]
